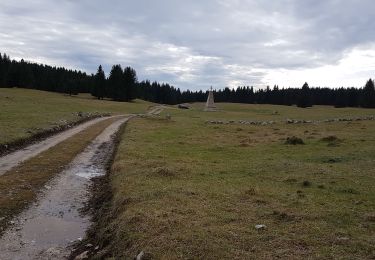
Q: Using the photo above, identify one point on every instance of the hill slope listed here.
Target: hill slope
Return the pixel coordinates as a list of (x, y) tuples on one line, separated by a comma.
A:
[(24, 112)]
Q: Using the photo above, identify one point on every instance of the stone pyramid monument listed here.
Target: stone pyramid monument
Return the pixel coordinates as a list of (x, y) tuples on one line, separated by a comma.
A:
[(210, 104)]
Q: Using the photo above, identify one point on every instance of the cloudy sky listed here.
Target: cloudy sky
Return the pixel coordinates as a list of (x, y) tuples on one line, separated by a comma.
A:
[(193, 44)]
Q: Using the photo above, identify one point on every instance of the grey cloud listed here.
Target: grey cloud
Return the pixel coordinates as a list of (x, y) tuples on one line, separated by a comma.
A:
[(191, 44)]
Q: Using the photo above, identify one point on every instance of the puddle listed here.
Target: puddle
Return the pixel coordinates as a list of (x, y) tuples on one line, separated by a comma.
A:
[(47, 229), (90, 172)]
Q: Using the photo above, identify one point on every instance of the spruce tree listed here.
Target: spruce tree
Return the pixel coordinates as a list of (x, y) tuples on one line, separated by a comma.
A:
[(116, 84), (130, 81), (98, 89), (368, 95), (304, 99)]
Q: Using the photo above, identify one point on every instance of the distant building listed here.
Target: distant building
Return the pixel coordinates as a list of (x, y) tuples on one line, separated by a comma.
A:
[(210, 104)]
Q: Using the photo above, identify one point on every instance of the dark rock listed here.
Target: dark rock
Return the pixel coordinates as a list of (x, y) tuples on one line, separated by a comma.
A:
[(183, 106)]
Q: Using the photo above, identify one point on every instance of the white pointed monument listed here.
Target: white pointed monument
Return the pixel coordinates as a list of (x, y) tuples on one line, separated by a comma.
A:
[(210, 104)]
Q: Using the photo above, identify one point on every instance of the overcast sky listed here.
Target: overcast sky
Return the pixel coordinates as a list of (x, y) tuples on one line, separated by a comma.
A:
[(195, 44)]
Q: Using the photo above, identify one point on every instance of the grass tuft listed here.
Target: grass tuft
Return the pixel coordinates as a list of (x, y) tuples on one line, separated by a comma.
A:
[(306, 184), (294, 140), (283, 216), (331, 140), (163, 172), (370, 217)]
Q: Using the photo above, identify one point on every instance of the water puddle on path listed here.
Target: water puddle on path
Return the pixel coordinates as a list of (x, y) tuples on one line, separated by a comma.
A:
[(48, 228)]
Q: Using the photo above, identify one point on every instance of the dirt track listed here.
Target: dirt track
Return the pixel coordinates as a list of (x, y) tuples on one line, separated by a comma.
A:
[(53, 223), (47, 229), (13, 159), (156, 110)]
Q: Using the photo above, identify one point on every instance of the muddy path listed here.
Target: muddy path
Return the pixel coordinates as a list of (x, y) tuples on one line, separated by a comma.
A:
[(11, 160), (48, 228)]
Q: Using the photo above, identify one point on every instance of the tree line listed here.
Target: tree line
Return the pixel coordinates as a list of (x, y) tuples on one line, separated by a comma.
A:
[(123, 85), (42, 77), (302, 97)]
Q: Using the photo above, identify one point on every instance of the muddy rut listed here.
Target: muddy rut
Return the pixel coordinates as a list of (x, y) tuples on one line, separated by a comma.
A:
[(48, 228)]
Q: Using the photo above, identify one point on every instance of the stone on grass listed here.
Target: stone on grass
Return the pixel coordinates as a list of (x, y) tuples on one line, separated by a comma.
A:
[(140, 256), (84, 255), (260, 226)]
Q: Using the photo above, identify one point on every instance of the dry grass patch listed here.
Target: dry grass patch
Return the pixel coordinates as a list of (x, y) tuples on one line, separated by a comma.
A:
[(203, 198)]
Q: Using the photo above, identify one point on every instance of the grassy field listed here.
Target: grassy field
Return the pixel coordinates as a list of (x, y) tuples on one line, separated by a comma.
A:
[(184, 189), (24, 112)]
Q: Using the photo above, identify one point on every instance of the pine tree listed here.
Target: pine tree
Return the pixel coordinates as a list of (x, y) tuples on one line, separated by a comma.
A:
[(98, 89), (116, 85), (130, 81), (304, 99), (368, 95)]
